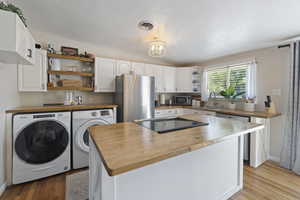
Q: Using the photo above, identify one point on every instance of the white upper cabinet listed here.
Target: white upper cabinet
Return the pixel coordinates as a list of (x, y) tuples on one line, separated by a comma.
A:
[(149, 71), (123, 67), (138, 68), (169, 79), (33, 78), (17, 45), (105, 73), (184, 81), (158, 73)]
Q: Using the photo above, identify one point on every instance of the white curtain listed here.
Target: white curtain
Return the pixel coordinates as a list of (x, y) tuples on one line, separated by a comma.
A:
[(290, 154), (204, 90), (251, 90)]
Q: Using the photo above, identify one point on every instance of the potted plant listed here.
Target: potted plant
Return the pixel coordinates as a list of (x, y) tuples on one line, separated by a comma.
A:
[(230, 94), (12, 8)]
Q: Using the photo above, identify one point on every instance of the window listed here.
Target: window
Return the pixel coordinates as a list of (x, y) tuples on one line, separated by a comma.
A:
[(241, 77)]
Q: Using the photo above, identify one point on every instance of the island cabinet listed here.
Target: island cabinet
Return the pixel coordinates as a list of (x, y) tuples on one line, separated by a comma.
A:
[(17, 45), (129, 162)]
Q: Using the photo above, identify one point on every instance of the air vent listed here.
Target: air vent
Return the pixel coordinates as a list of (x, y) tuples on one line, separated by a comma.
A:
[(145, 25)]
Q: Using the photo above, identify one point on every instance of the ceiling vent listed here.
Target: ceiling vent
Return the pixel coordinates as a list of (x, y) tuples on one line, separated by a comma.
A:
[(145, 25)]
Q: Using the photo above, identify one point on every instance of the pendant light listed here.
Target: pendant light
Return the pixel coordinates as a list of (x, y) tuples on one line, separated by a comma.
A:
[(157, 47)]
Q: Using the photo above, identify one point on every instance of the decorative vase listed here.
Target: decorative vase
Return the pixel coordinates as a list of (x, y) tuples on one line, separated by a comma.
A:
[(231, 105), (250, 107)]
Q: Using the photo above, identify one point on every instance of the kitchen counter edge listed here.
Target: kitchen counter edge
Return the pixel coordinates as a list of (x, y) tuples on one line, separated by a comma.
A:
[(36, 109)]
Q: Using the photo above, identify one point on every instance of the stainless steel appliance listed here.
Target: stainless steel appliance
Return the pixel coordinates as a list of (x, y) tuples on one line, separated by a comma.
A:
[(183, 100), (135, 95), (169, 124), (246, 136)]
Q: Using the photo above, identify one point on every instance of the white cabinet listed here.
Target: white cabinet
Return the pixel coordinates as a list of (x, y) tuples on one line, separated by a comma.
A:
[(159, 78), (149, 70), (165, 113), (105, 73), (260, 143), (184, 79), (33, 78), (123, 67), (17, 45), (138, 68), (169, 79)]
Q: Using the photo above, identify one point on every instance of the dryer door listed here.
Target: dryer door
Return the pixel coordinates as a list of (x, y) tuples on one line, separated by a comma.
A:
[(41, 142), (82, 134)]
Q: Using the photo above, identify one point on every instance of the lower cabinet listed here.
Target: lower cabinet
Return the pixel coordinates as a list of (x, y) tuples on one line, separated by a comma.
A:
[(162, 113), (33, 78)]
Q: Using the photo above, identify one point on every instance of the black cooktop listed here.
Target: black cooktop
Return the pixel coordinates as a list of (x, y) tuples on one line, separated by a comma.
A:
[(170, 124)]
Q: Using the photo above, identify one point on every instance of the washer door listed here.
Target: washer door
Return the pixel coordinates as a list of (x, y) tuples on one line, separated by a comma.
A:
[(41, 142), (82, 134)]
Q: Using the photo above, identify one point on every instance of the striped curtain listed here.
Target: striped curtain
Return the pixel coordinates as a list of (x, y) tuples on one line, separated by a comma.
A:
[(290, 155)]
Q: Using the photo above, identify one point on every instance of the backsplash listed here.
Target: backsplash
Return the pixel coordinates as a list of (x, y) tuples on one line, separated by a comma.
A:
[(50, 97)]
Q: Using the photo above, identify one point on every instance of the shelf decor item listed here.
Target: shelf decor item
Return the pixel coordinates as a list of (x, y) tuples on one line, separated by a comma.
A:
[(12, 8), (230, 94), (69, 51)]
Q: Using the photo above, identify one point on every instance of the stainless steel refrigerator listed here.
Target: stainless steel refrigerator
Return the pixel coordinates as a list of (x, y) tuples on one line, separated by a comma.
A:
[(135, 97)]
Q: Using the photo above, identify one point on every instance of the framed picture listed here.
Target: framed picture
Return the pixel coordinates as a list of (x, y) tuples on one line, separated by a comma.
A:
[(69, 51)]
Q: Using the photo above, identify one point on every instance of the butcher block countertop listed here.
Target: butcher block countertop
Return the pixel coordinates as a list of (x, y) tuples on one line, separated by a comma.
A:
[(260, 114), (36, 109), (127, 146)]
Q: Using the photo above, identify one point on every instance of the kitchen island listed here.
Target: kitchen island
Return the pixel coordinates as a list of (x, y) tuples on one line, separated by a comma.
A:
[(130, 162)]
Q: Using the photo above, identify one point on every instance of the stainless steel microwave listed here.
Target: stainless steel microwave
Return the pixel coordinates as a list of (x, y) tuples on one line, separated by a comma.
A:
[(183, 100)]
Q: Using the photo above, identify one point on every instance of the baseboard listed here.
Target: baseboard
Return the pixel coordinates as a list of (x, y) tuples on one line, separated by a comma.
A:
[(274, 158), (2, 188)]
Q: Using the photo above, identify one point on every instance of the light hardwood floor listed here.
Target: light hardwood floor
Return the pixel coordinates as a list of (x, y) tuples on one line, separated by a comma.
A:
[(268, 182)]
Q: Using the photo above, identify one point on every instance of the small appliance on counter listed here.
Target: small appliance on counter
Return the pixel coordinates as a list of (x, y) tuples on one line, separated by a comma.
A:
[(182, 100), (162, 99)]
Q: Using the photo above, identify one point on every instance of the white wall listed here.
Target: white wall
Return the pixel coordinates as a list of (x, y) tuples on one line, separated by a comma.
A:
[(272, 73), (9, 98)]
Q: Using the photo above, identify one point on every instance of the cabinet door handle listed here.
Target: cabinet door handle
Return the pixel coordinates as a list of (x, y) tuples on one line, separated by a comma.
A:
[(43, 86), (29, 53)]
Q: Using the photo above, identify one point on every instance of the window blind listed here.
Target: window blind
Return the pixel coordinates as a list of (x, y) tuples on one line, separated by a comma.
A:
[(221, 78)]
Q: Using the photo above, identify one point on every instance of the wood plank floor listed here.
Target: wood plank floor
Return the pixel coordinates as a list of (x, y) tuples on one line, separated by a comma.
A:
[(268, 182)]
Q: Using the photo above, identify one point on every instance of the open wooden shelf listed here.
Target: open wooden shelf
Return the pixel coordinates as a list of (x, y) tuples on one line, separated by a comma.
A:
[(82, 59), (71, 88), (71, 73)]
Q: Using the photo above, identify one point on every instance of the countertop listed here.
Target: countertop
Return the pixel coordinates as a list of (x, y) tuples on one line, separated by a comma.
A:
[(36, 109), (127, 146), (260, 114)]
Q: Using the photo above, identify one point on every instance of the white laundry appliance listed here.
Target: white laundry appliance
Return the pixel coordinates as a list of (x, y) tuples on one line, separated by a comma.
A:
[(41, 145), (82, 120)]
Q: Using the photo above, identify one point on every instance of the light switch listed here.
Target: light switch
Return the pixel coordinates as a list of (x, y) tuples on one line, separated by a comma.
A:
[(276, 92)]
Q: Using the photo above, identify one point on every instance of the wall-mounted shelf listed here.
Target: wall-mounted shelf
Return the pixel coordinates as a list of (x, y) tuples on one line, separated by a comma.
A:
[(87, 74), (82, 59), (72, 88)]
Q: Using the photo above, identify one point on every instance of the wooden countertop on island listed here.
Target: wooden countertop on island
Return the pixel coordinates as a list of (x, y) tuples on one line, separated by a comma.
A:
[(36, 109), (127, 146)]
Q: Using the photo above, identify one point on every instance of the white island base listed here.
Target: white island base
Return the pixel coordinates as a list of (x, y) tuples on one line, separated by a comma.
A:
[(214, 172)]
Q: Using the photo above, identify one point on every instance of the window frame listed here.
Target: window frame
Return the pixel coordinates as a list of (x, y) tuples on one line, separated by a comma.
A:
[(229, 68)]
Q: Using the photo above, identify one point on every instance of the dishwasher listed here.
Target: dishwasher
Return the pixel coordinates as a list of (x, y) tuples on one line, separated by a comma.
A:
[(246, 136)]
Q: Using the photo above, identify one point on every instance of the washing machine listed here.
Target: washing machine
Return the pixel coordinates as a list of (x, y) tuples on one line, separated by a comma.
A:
[(41, 145), (81, 121)]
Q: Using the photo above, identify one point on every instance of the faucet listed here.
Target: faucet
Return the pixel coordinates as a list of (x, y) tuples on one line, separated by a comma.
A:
[(212, 95)]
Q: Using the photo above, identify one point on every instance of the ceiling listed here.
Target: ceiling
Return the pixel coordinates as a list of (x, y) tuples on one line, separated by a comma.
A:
[(195, 30)]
